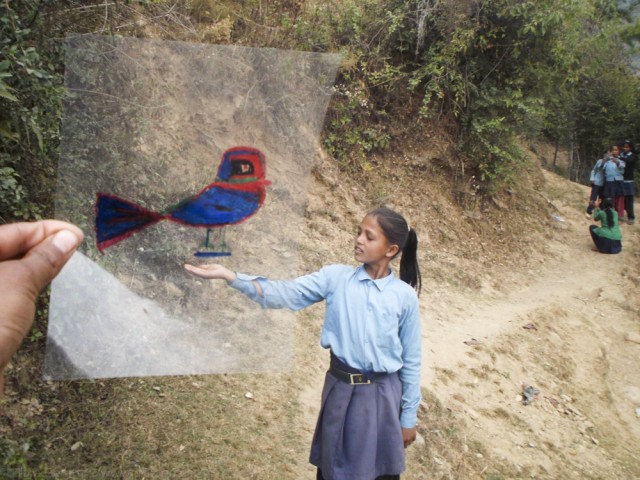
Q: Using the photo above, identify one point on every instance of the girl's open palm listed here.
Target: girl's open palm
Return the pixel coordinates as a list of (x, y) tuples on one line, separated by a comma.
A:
[(211, 272)]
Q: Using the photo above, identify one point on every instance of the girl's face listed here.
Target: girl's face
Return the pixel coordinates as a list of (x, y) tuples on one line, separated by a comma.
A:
[(371, 245), (615, 151)]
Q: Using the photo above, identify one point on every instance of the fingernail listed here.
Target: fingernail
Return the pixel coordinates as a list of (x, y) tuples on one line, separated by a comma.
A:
[(65, 241)]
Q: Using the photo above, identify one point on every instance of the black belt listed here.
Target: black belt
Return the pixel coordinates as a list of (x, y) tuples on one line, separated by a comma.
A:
[(354, 377)]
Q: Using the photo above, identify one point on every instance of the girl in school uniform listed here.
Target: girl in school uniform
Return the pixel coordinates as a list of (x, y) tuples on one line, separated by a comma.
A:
[(629, 157), (597, 184), (372, 329), (613, 180)]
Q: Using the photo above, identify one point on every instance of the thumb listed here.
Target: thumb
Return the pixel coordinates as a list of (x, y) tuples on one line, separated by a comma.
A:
[(44, 261)]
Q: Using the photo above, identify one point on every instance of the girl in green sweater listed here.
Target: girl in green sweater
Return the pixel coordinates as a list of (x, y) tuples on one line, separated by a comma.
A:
[(607, 238)]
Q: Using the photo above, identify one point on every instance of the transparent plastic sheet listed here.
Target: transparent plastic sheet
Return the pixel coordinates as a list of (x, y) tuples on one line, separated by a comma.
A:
[(149, 122)]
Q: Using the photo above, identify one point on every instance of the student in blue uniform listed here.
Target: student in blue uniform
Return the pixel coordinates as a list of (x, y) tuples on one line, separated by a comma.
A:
[(614, 180), (597, 183), (372, 329), (629, 185)]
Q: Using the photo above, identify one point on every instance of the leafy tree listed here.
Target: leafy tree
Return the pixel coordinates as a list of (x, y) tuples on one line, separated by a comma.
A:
[(512, 68)]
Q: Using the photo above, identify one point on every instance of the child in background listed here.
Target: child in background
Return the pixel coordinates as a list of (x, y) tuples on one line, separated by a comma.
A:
[(597, 183), (628, 184), (372, 328), (613, 180), (607, 238)]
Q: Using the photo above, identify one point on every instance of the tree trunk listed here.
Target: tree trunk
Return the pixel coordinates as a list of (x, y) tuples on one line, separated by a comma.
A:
[(570, 169)]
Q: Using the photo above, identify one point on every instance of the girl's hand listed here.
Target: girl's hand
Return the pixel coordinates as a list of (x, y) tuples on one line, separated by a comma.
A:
[(211, 272), (409, 435)]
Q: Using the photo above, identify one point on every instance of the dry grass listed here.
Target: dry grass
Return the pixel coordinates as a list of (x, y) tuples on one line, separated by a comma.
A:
[(446, 451)]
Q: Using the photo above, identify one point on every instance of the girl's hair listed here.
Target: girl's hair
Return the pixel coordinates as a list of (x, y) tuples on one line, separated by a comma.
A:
[(628, 142), (607, 206), (398, 232)]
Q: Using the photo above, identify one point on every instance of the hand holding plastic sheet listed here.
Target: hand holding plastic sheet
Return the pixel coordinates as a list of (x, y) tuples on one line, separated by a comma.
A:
[(31, 255)]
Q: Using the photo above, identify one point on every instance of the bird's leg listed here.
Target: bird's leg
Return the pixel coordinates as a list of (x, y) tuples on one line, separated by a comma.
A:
[(215, 244), (206, 239), (223, 242), (216, 239)]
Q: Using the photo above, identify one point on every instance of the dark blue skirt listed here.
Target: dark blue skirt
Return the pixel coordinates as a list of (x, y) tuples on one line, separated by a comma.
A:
[(613, 189), (358, 435), (605, 245)]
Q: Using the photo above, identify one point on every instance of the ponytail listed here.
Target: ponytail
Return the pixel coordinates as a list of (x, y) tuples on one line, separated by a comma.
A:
[(607, 206), (609, 212), (409, 269)]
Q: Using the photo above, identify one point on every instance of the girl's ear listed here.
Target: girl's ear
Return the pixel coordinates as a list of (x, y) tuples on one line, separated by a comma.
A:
[(393, 250)]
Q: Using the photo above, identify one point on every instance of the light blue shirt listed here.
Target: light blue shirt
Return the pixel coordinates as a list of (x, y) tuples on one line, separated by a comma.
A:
[(613, 172), (597, 174), (371, 325)]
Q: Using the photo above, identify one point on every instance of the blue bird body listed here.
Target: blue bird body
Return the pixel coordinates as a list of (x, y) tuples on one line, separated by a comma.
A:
[(216, 206)]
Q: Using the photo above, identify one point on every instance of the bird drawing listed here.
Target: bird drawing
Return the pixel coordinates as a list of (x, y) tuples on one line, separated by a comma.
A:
[(237, 193)]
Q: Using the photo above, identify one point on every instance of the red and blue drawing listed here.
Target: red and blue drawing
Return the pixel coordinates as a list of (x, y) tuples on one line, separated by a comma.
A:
[(237, 193)]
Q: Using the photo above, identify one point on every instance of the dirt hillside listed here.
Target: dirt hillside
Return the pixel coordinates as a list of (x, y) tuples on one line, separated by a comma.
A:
[(513, 297)]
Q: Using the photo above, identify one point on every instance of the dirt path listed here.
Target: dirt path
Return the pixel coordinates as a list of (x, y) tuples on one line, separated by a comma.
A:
[(579, 351), (570, 278)]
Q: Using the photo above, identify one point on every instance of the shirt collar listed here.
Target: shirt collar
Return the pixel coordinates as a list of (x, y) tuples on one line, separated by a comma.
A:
[(362, 275)]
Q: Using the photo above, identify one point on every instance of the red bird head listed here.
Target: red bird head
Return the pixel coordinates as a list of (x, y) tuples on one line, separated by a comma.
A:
[(243, 165)]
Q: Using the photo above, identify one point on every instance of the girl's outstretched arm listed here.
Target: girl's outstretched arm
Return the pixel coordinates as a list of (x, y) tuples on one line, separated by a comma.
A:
[(211, 272)]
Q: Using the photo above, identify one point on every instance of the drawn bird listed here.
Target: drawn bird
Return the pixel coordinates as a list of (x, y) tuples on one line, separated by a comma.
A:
[(237, 193)]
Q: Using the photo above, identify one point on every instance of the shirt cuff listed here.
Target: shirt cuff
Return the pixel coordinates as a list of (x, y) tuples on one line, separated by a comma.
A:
[(244, 284), (408, 419)]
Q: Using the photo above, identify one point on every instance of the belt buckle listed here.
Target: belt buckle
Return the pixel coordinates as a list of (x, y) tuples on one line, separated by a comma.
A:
[(358, 379)]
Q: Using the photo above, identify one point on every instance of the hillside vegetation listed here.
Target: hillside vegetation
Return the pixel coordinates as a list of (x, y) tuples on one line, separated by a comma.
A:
[(477, 120)]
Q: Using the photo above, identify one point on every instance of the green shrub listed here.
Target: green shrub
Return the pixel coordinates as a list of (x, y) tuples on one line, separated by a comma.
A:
[(30, 98)]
